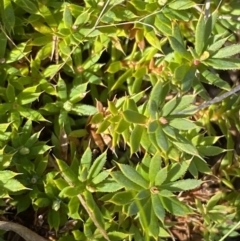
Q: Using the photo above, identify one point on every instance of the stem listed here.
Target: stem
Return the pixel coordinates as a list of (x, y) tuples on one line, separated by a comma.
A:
[(22, 231)]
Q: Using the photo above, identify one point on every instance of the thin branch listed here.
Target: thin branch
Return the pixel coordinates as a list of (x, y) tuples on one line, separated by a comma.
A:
[(101, 13), (83, 203), (211, 102), (22, 231)]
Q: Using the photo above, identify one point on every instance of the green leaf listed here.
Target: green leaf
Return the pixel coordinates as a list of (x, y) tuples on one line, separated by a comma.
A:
[(200, 39), (214, 79), (217, 44), (122, 79), (14, 186), (177, 170), (175, 207), (67, 17), (30, 114), (181, 4), (122, 126), (135, 138), (10, 92), (17, 53), (210, 150), (163, 24), (86, 159), (51, 70), (78, 92), (224, 64), (3, 44), (178, 104), (131, 174), (108, 185), (6, 175), (97, 166), (86, 110), (39, 149), (62, 89), (157, 207), (159, 93), (114, 67), (125, 182), (54, 219), (154, 167), (68, 174), (103, 126), (153, 109), (8, 16), (152, 39), (72, 191), (94, 209), (73, 208), (28, 6), (161, 139), (100, 177), (186, 147), (182, 185), (28, 95), (152, 126), (161, 176), (82, 18), (182, 124), (134, 117), (122, 198), (115, 235), (178, 47), (227, 51)]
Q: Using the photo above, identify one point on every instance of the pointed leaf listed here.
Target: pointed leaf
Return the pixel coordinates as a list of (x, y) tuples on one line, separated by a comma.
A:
[(134, 117), (177, 170), (200, 40), (122, 198), (100, 177), (186, 147), (224, 64), (135, 138), (178, 47), (155, 166), (84, 110), (210, 150), (130, 173), (68, 174), (161, 176), (161, 139), (97, 166), (108, 185), (227, 51), (157, 207), (128, 185), (14, 186), (73, 208), (54, 219), (94, 209), (182, 185), (182, 124), (172, 205)]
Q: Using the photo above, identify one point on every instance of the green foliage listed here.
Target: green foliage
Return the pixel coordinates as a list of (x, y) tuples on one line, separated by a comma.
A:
[(98, 124)]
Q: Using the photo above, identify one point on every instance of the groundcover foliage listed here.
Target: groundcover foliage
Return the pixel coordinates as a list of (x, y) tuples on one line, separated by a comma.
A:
[(100, 137)]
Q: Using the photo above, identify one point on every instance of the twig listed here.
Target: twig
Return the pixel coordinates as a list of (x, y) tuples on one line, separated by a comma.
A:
[(211, 102), (22, 231), (82, 201)]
